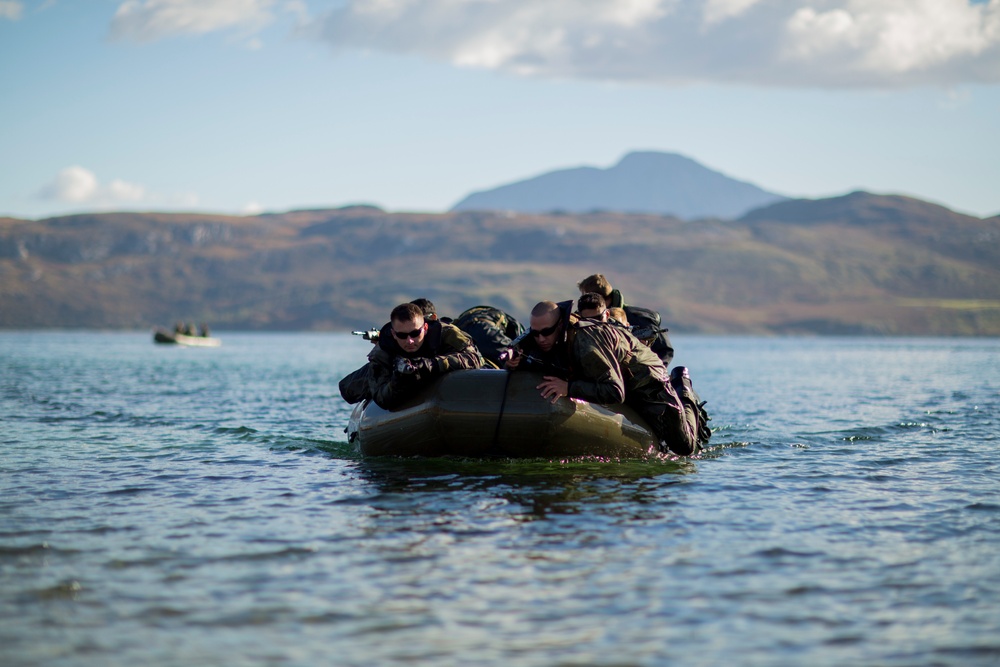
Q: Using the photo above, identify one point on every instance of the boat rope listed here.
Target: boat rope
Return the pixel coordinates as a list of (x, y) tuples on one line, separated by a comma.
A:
[(495, 448)]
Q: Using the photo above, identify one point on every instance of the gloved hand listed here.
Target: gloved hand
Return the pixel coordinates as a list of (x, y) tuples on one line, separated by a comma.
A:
[(416, 366)]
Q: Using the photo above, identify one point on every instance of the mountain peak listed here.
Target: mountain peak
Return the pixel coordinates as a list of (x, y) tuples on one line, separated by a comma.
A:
[(641, 182), (655, 160)]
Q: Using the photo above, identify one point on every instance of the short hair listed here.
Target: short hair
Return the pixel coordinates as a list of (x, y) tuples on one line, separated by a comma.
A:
[(544, 308), (618, 315), (595, 283), (427, 307), (590, 301), (406, 312)]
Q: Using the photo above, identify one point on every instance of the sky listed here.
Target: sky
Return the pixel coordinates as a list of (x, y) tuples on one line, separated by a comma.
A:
[(249, 106)]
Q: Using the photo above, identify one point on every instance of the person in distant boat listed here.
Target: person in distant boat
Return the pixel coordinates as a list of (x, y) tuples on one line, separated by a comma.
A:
[(610, 365), (545, 347), (203, 330), (492, 329), (411, 352)]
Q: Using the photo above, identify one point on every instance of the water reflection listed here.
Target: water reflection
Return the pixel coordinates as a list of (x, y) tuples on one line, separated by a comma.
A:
[(530, 490)]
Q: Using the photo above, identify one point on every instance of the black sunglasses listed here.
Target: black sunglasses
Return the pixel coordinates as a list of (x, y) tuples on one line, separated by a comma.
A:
[(547, 331), (403, 335)]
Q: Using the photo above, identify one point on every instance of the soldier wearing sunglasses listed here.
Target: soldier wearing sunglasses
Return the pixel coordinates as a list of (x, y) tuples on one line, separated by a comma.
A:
[(412, 352), (545, 348)]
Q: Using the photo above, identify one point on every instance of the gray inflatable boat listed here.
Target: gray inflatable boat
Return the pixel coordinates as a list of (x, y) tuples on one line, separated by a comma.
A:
[(483, 413)]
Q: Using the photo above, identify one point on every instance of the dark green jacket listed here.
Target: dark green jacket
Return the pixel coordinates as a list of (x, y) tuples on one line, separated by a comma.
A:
[(446, 347), (610, 365)]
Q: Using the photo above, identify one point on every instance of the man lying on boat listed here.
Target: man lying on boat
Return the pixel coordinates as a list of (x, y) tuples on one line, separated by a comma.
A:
[(545, 348), (411, 352), (610, 365), (644, 323)]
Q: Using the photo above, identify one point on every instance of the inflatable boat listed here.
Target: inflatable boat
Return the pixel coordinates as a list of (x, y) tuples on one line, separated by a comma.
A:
[(172, 338), (493, 413)]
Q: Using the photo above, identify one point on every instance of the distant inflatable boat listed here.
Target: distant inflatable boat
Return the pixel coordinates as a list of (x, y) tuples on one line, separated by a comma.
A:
[(484, 413), (172, 338)]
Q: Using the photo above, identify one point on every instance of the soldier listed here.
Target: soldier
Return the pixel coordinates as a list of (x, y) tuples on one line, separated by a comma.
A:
[(645, 323), (599, 284), (591, 305), (411, 352), (610, 365), (618, 315), (545, 348), (427, 306)]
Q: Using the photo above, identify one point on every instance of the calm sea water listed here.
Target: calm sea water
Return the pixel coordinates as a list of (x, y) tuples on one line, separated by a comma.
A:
[(164, 506)]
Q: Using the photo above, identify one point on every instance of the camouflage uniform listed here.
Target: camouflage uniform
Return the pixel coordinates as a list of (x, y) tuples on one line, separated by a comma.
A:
[(491, 329), (445, 348), (610, 365)]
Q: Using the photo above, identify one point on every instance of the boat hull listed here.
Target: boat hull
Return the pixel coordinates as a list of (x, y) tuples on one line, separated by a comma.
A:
[(482, 413)]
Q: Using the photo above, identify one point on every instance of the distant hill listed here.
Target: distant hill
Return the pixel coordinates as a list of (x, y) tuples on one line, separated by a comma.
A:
[(856, 264), (642, 182)]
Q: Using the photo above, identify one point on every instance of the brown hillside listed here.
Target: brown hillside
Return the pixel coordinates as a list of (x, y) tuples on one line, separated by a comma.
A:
[(855, 264)]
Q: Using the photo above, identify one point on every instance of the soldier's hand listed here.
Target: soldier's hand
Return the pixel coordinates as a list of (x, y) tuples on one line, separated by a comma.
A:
[(417, 365), (553, 388), (405, 366)]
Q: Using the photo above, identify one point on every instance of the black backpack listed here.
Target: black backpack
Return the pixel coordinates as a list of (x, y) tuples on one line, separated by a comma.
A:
[(645, 324), (491, 329)]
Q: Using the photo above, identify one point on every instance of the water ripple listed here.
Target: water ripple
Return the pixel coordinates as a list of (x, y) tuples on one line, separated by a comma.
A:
[(171, 509)]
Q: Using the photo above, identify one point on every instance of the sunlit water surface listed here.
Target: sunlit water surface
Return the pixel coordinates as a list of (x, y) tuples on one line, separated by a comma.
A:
[(165, 506)]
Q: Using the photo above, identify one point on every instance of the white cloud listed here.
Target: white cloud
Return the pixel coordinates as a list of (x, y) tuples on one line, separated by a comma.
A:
[(73, 185), (720, 10), (815, 43), (898, 36), (252, 208), (149, 20), (120, 191), (77, 185), (11, 9)]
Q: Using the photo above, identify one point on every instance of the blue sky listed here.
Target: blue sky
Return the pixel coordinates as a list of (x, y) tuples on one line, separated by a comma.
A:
[(242, 106)]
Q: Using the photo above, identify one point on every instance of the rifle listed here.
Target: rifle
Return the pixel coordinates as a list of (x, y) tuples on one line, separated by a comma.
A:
[(514, 348), (371, 334), (645, 332)]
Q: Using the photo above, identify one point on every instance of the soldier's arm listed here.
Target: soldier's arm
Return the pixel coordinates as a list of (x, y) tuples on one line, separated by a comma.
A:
[(385, 387), (598, 377), (458, 351)]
